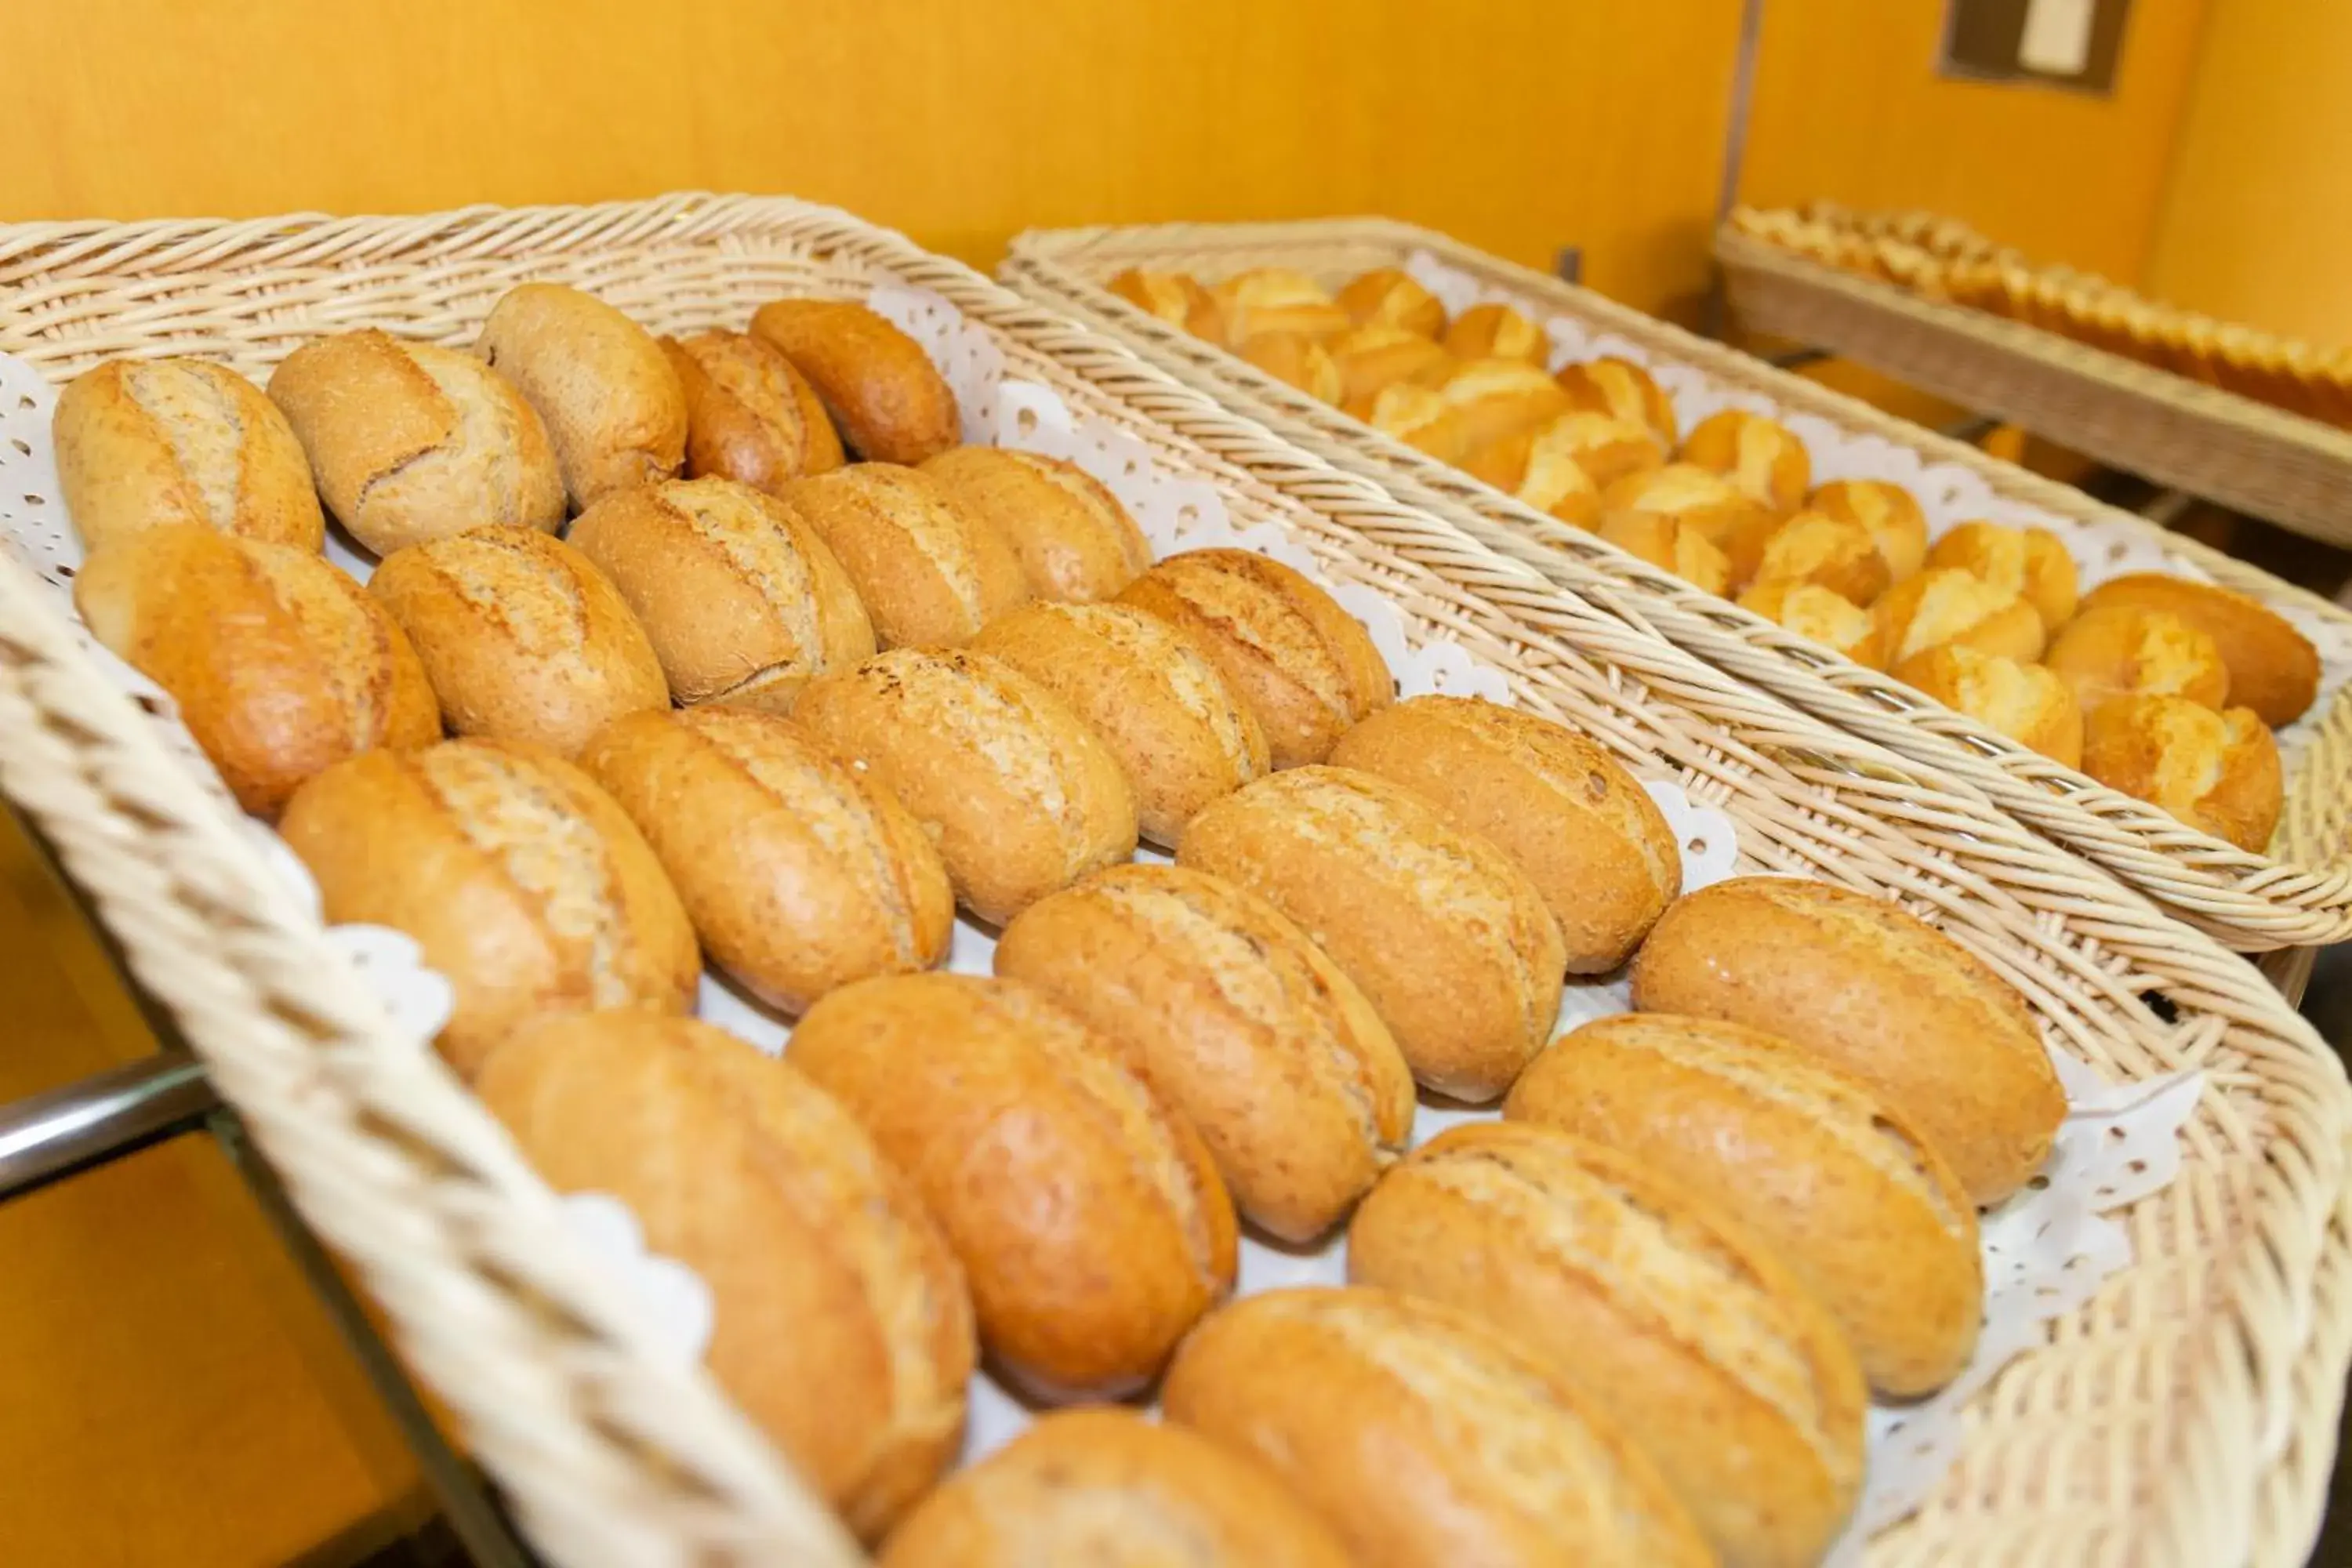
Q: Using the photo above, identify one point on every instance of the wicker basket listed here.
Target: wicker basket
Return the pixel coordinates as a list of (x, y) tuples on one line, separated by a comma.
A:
[(2299, 893), (2153, 1428)]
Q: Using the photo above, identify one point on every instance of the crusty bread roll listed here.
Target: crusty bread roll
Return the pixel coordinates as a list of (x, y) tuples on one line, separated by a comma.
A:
[(1816, 613), (1872, 992), (1306, 668), (839, 1318), (1388, 296), (890, 404), (1897, 524), (1733, 521), (1423, 1438), (1759, 455), (157, 443), (410, 442), (601, 385), (1420, 416), (2029, 562), (1547, 478), (1944, 605), (1182, 735), (520, 880), (1607, 447), (1085, 1209), (1497, 331), (1440, 928), (1622, 389), (1833, 553), (280, 663), (2124, 651), (1277, 300), (1590, 839), (523, 639), (1670, 544), (2026, 703), (741, 600), (1500, 398), (2219, 772), (1296, 360), (1020, 796), (1677, 1324), (1240, 1022), (1176, 298), (929, 571), (800, 875), (749, 415), (1805, 1160), (1074, 540), (1378, 354), (2273, 669)]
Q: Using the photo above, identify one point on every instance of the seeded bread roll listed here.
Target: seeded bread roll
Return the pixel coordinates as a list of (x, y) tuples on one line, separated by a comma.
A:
[(1180, 734), (1296, 360), (520, 880), (1175, 297), (1944, 605), (890, 404), (1678, 1325), (1074, 540), (612, 405), (170, 442), (1547, 478), (1086, 1210), (749, 415), (1588, 837), (1496, 331), (1761, 456), (1897, 524), (1388, 296), (742, 602), (1815, 611), (1672, 546), (929, 571), (1606, 447), (2124, 650), (2217, 773), (1622, 389), (280, 663), (2027, 561), (1835, 1182), (1306, 668), (1500, 398), (1423, 1438), (1378, 354), (1733, 521), (2273, 669), (2026, 703), (1833, 552), (839, 1318), (1275, 299)]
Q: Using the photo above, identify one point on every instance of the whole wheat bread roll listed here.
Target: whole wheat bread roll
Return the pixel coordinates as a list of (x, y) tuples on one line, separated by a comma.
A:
[(749, 415), (1388, 296), (2026, 703), (2273, 669), (1620, 388), (2128, 650), (2030, 563), (2216, 772), (611, 403), (1074, 541), (890, 404), (1898, 525), (930, 573), (1759, 454)]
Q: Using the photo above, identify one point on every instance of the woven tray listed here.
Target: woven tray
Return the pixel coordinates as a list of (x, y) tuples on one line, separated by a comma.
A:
[(2151, 1429), (2298, 893)]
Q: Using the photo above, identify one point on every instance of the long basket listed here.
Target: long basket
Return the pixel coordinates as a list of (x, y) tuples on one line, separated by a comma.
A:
[(2298, 893), (2149, 1430)]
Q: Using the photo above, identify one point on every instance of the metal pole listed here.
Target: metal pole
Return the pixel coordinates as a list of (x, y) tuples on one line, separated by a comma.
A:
[(47, 1136)]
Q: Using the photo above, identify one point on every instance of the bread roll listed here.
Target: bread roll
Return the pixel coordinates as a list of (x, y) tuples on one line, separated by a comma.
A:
[(749, 415), (1672, 546), (523, 639), (929, 571), (885, 397), (2273, 669), (521, 882), (1087, 1212), (1944, 605), (1305, 667), (741, 599), (1447, 936), (1179, 733), (1237, 1020), (1833, 553), (1420, 416), (410, 442), (604, 390), (1497, 331), (1547, 478), (1176, 298), (1805, 1160), (1296, 360), (2217, 773), (2026, 703), (280, 664), (1499, 398), (1761, 456), (167, 442), (1388, 296), (1815, 611), (1590, 838), (1896, 525), (1423, 1437), (2124, 650), (1606, 447), (1277, 300), (1687, 1331), (1733, 522), (1867, 989), (2029, 562), (1017, 793), (1074, 541), (1623, 390), (1378, 354)]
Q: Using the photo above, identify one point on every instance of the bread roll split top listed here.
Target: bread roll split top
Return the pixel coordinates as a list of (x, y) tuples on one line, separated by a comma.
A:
[(2127, 650), (890, 404), (1621, 388), (929, 571), (1945, 605), (1896, 523), (2030, 563), (1497, 331), (1829, 618), (2219, 772), (1393, 297), (600, 383), (1759, 455), (2026, 703), (1074, 540), (1175, 297), (751, 416), (2273, 669)]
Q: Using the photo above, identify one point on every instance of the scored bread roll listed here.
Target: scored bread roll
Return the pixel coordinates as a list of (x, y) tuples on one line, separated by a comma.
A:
[(1388, 296), (1422, 1437), (1677, 1324), (988, 1096), (1240, 1022), (2217, 773), (1449, 939), (927, 571), (749, 415), (2026, 703), (1176, 298), (1622, 389), (1805, 1160), (1815, 612), (1606, 447), (1733, 522), (1833, 552), (612, 405), (2124, 650), (280, 665), (166, 442), (1944, 605), (1759, 455), (1020, 796), (2029, 562), (1277, 300), (1296, 360), (800, 875), (1897, 524), (741, 600), (1547, 478), (1500, 398), (1376, 354), (519, 879), (2273, 669), (1420, 416), (1074, 540), (1496, 331), (1591, 839), (523, 639), (410, 442), (888, 400), (1672, 546)]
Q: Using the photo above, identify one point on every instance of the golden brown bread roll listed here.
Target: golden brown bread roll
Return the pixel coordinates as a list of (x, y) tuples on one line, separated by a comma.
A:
[(1018, 794), (2124, 650), (1420, 416), (1805, 1160), (1499, 398), (522, 637), (1547, 478), (1074, 540), (741, 600), (612, 405), (1423, 1438), (280, 664), (1897, 524), (1732, 520), (749, 415), (410, 442), (1176, 298), (1306, 668), (2026, 703), (929, 571), (1673, 546), (1378, 354), (1606, 447), (1239, 1021), (1277, 300), (1496, 331), (161, 443), (1944, 605), (1815, 611), (1388, 296), (520, 880), (1833, 552), (1673, 1320), (991, 1097), (1759, 455), (885, 397), (2217, 773), (2273, 669), (1622, 389), (2030, 563), (1296, 360)]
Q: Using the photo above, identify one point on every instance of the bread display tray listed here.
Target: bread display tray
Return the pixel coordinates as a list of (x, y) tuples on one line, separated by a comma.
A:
[(2166, 1330), (2300, 892)]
